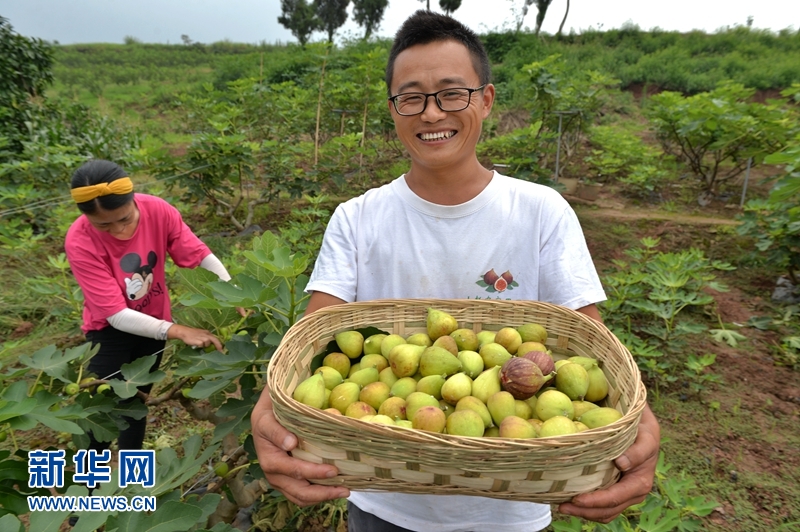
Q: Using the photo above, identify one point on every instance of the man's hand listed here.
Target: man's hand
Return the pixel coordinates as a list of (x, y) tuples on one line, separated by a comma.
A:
[(193, 337), (285, 473), (638, 466)]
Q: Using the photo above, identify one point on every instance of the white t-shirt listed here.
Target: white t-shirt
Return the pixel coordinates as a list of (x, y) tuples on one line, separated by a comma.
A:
[(391, 244)]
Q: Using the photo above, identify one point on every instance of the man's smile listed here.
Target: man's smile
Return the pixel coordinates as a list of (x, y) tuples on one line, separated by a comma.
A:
[(438, 135)]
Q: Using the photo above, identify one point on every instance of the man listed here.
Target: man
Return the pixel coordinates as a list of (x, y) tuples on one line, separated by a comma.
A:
[(433, 233)]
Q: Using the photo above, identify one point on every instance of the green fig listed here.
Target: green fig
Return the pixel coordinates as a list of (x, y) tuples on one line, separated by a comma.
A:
[(581, 407), (417, 400), (394, 407), (420, 339), (440, 323), (522, 409), (430, 418), (471, 363), (509, 338), (491, 432), (553, 403), (587, 362), (404, 423), (465, 423), (494, 354), (557, 426), (374, 361), (311, 391), (580, 427), (404, 387), (531, 402), (448, 343), (338, 361), (456, 387), (484, 337), (572, 380), (365, 376), (350, 342), (560, 363), (390, 342), (372, 345), (381, 420), (344, 395), (331, 376), (486, 384), (501, 405), (466, 339), (600, 417), (387, 375), (516, 427), (359, 409), (598, 385), (473, 403), (374, 394), (532, 332), (527, 347), (404, 359), (536, 423), (432, 385), (438, 361), (446, 407), (353, 368)]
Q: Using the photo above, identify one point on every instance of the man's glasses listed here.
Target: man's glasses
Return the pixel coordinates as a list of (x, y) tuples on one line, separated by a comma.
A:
[(450, 100)]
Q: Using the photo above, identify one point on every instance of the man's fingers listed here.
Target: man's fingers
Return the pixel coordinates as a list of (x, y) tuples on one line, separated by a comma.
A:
[(214, 340), (267, 432), (275, 461), (302, 493), (645, 447)]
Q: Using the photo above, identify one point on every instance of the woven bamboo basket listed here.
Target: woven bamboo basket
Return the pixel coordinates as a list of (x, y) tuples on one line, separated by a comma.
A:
[(387, 458)]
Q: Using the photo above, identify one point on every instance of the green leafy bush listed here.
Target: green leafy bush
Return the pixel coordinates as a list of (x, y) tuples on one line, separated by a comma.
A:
[(716, 132)]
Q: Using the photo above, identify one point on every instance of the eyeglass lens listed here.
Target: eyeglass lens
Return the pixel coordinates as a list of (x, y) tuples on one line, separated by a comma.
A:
[(447, 100)]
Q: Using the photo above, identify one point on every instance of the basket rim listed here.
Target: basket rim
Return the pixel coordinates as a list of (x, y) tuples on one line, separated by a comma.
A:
[(281, 397)]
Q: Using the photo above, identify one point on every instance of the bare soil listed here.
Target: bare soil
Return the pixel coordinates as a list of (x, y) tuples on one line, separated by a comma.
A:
[(739, 440)]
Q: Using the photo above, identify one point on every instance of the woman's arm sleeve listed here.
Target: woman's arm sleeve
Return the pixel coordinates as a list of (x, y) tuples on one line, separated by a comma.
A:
[(134, 322), (214, 265)]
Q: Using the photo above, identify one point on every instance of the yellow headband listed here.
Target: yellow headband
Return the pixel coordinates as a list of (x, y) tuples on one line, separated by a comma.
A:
[(123, 185)]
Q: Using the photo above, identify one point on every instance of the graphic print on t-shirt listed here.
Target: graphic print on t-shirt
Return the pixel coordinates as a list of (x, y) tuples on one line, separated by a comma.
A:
[(494, 283), (141, 279)]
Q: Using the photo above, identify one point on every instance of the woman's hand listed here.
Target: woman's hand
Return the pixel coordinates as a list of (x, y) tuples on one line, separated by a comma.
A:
[(638, 466), (193, 337), (287, 474)]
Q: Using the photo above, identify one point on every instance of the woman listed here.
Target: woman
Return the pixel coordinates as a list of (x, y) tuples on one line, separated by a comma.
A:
[(116, 251)]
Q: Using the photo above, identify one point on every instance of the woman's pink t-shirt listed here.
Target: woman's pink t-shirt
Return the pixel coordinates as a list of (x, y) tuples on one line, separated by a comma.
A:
[(118, 274)]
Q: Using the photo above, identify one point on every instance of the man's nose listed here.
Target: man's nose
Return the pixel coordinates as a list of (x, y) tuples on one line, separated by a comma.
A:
[(432, 110)]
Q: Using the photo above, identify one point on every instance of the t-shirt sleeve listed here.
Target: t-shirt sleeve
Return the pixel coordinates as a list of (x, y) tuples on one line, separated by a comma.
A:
[(335, 269), (567, 275), (101, 293), (185, 248)]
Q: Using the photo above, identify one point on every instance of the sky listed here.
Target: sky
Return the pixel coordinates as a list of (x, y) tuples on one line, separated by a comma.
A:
[(254, 21)]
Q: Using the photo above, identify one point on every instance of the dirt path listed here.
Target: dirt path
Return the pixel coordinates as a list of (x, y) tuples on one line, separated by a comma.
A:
[(613, 209)]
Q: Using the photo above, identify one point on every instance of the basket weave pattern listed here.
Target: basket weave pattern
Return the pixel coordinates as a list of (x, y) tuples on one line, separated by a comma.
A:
[(386, 458)]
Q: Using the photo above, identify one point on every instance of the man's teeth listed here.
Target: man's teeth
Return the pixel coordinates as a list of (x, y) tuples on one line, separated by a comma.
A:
[(437, 136)]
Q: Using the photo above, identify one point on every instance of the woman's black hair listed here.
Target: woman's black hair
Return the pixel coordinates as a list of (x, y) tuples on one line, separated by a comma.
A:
[(425, 27), (100, 171)]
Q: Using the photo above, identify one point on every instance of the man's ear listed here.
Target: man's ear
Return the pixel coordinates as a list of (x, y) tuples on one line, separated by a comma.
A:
[(488, 99)]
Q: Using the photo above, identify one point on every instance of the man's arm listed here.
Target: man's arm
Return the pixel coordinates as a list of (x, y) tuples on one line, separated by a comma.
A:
[(320, 300), (638, 466)]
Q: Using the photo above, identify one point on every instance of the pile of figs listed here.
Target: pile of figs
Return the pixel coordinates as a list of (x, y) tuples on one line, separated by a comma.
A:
[(452, 380)]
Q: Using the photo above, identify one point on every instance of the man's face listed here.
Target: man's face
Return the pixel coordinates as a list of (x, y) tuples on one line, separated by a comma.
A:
[(437, 139)]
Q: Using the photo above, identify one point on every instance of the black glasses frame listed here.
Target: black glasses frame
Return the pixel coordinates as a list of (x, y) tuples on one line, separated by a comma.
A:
[(435, 95)]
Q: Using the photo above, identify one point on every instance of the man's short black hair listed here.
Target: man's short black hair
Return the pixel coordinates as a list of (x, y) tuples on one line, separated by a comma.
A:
[(425, 27)]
